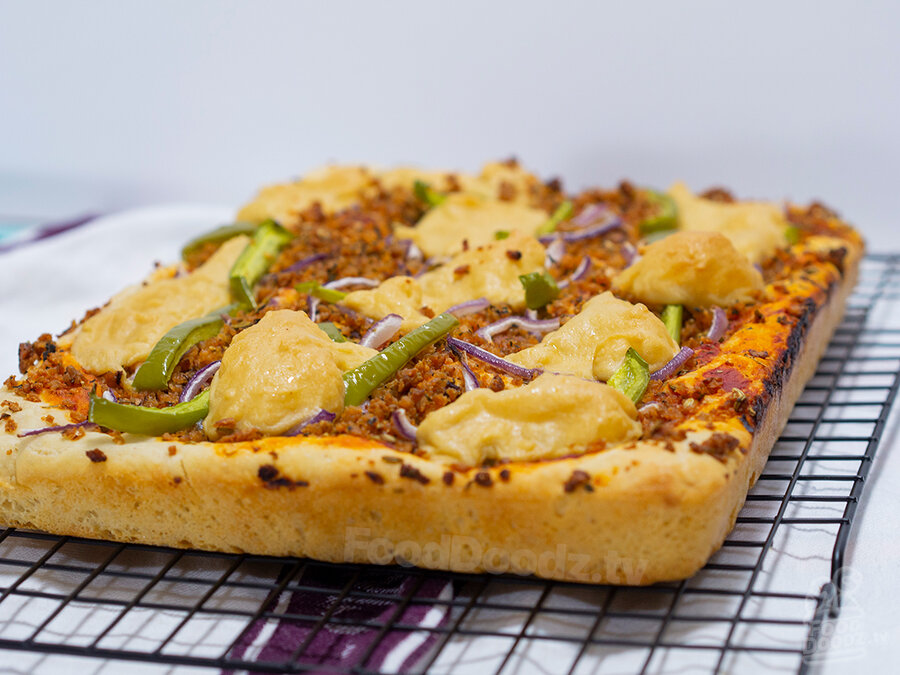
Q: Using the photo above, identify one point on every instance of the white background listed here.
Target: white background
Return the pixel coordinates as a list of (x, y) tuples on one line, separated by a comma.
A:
[(110, 105)]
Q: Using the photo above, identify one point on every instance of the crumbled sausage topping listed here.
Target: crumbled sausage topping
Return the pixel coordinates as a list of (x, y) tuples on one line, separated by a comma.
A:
[(357, 242), (719, 446)]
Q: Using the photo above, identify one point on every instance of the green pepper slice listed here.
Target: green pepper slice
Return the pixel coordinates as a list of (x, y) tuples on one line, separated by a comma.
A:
[(562, 212), (217, 236), (632, 377), (332, 331), (137, 419), (255, 260), (540, 289), (792, 234), (653, 237), (362, 380), (501, 234), (666, 217), (425, 193), (154, 373), (317, 290), (672, 316)]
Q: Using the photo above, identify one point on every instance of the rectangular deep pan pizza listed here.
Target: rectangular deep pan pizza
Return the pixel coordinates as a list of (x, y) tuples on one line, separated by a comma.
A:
[(462, 372)]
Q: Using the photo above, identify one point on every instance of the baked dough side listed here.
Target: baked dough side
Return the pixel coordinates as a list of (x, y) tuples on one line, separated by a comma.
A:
[(634, 514)]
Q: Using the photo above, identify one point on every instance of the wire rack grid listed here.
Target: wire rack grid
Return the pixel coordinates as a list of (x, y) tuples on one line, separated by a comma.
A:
[(762, 600)]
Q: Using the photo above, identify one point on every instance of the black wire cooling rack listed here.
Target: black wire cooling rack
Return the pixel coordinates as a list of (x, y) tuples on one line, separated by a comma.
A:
[(761, 602)]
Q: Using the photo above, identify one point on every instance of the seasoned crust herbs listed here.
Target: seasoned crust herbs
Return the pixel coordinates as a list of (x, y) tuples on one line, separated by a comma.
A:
[(717, 384)]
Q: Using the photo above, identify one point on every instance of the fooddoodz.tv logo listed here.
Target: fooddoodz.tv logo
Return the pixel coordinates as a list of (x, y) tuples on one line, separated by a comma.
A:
[(844, 637)]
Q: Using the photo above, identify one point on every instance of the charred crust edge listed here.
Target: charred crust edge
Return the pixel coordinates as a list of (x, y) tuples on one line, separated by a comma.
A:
[(271, 478), (409, 471), (96, 455)]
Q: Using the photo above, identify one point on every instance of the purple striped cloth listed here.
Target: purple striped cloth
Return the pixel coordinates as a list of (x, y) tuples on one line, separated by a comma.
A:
[(46, 232), (321, 624)]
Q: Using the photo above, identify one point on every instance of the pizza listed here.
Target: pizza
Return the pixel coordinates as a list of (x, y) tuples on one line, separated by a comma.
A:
[(467, 372)]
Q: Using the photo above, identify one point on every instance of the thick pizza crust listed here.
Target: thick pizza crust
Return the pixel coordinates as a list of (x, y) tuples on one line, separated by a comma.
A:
[(634, 514)]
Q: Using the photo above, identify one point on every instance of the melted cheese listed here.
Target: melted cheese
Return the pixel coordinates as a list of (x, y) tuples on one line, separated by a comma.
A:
[(338, 187), (700, 269), (406, 176), (593, 343), (489, 272), (495, 174), (553, 416), (279, 373), (397, 295), (125, 331), (334, 187), (471, 217), (757, 229)]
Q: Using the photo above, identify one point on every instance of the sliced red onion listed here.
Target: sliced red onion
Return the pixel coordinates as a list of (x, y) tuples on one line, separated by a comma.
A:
[(531, 314), (555, 251), (109, 396), (381, 331), (413, 252), (351, 281), (469, 377), (426, 267), (321, 416), (346, 311), (579, 273), (306, 262), (200, 379), (672, 366), (590, 214), (592, 232), (410, 250), (585, 233), (404, 244), (312, 307), (469, 307), (719, 324), (64, 427), (649, 406), (404, 427), (548, 238), (538, 326), (582, 269), (493, 360), (630, 253)]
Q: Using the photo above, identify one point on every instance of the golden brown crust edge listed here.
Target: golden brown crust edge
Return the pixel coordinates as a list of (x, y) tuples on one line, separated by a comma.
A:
[(632, 515)]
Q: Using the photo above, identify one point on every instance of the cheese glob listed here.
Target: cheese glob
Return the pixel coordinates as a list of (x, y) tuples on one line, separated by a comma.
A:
[(699, 269)]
